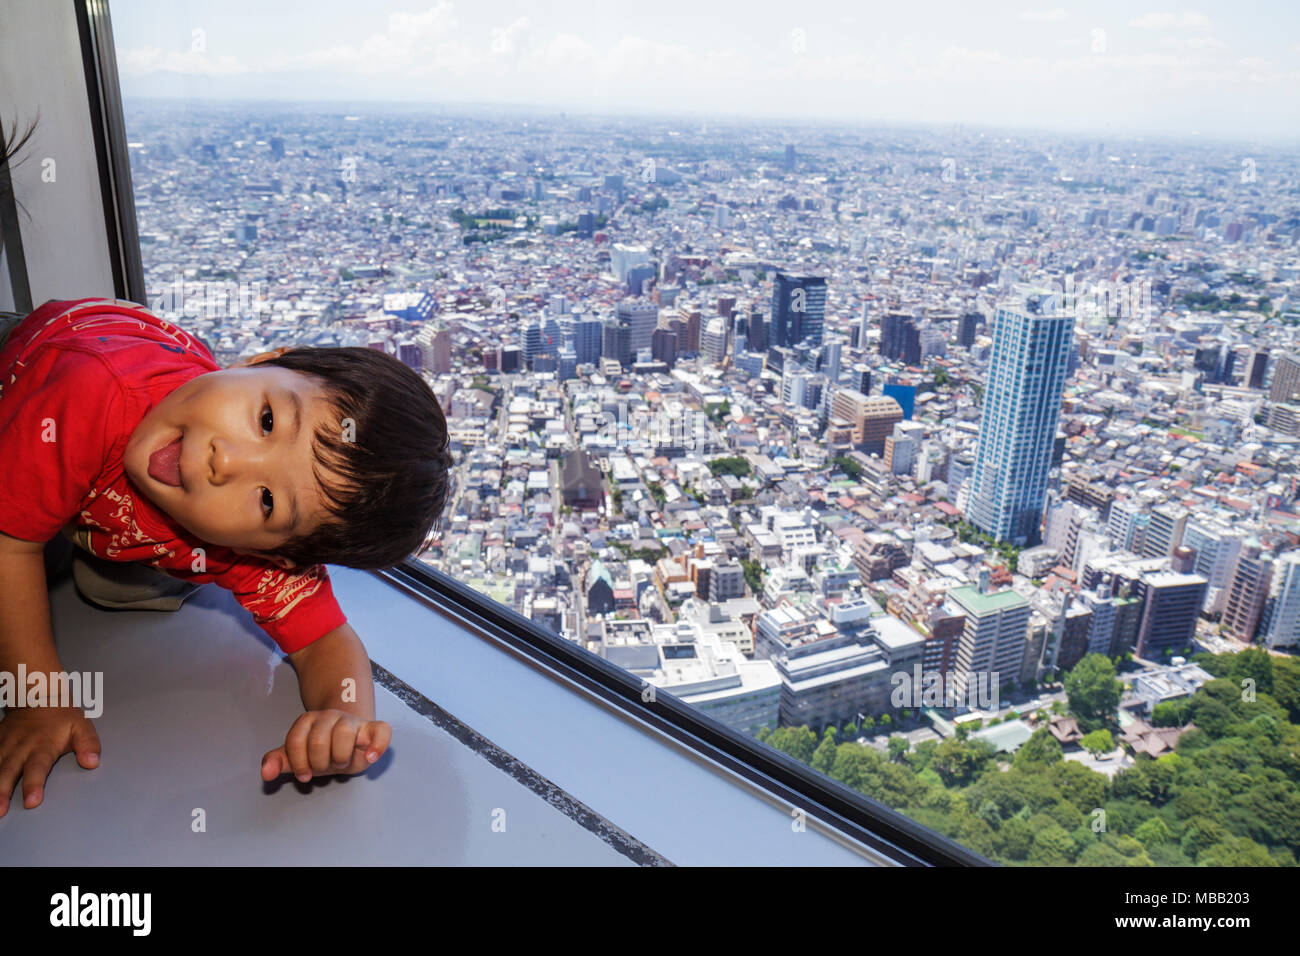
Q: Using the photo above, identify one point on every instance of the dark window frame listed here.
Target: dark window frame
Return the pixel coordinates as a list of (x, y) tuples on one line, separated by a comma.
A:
[(854, 815), (108, 126)]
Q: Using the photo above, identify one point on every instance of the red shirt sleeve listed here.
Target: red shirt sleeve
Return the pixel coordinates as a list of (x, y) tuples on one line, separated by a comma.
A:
[(295, 608), (59, 417)]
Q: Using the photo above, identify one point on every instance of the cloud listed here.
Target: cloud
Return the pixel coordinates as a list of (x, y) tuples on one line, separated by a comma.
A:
[(1043, 16), (1191, 44), (1187, 20), (958, 57), (410, 42), (503, 38), (152, 59)]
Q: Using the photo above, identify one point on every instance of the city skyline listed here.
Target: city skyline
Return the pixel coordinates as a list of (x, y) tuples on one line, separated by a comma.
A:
[(797, 515)]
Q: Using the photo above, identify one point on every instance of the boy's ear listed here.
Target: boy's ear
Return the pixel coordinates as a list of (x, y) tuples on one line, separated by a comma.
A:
[(261, 357)]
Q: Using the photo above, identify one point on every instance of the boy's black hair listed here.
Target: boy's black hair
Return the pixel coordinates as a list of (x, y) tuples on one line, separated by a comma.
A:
[(389, 455)]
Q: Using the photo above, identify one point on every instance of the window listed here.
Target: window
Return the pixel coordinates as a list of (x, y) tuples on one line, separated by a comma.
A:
[(573, 286)]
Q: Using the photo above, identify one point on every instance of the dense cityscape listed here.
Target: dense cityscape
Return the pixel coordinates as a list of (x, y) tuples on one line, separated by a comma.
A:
[(962, 464)]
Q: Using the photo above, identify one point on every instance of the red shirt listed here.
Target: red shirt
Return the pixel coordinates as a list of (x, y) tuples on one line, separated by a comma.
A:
[(76, 378)]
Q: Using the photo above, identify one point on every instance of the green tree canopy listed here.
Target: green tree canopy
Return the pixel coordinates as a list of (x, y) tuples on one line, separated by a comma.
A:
[(1098, 742), (823, 758), (1093, 691), (1041, 748)]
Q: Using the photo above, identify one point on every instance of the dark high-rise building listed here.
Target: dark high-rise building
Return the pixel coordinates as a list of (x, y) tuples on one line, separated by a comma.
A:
[(617, 342), (587, 340), (510, 358), (586, 225), (1226, 365), (1170, 605), (1258, 367), (789, 157), (410, 354), (277, 147), (968, 328), (663, 346), (1216, 362), (739, 327), (861, 379), (757, 333), (798, 310), (779, 359), (900, 338)]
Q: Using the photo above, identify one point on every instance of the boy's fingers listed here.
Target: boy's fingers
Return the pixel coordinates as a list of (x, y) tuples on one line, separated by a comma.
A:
[(342, 744), (295, 748), (35, 771), (374, 739), (319, 740), (301, 753), (85, 742), (274, 763), (10, 768)]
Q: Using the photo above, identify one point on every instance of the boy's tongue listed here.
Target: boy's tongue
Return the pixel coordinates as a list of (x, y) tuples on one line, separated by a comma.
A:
[(165, 464)]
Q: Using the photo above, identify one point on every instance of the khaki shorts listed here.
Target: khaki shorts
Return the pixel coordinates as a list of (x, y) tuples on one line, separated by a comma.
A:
[(117, 585), (8, 322)]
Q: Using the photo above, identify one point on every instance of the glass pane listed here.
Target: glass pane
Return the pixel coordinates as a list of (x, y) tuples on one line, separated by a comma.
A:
[(814, 371)]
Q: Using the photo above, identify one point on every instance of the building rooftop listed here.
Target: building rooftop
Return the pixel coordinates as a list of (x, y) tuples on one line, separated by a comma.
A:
[(1007, 736), (981, 604)]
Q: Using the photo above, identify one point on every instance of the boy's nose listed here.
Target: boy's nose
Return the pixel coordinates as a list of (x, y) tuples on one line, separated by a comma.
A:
[(227, 460)]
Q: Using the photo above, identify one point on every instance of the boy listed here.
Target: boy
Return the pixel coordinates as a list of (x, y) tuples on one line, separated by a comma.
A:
[(120, 432)]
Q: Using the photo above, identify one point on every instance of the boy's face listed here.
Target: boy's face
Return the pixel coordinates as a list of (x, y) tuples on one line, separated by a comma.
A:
[(244, 468)]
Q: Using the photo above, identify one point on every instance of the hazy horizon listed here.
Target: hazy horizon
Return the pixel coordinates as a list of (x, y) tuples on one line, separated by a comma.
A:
[(1160, 70), (502, 110)]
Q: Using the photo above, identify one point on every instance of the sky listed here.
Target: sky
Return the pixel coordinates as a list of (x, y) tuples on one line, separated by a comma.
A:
[(1216, 70)]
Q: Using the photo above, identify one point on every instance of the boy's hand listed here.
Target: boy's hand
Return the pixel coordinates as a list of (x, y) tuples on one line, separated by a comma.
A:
[(326, 742), (33, 739)]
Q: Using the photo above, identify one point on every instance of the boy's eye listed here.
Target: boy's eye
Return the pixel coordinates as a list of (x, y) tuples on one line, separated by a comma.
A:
[(267, 418), (267, 501)]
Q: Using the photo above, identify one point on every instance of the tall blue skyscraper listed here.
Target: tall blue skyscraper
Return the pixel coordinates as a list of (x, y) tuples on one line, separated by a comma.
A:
[(1022, 405), (798, 310)]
